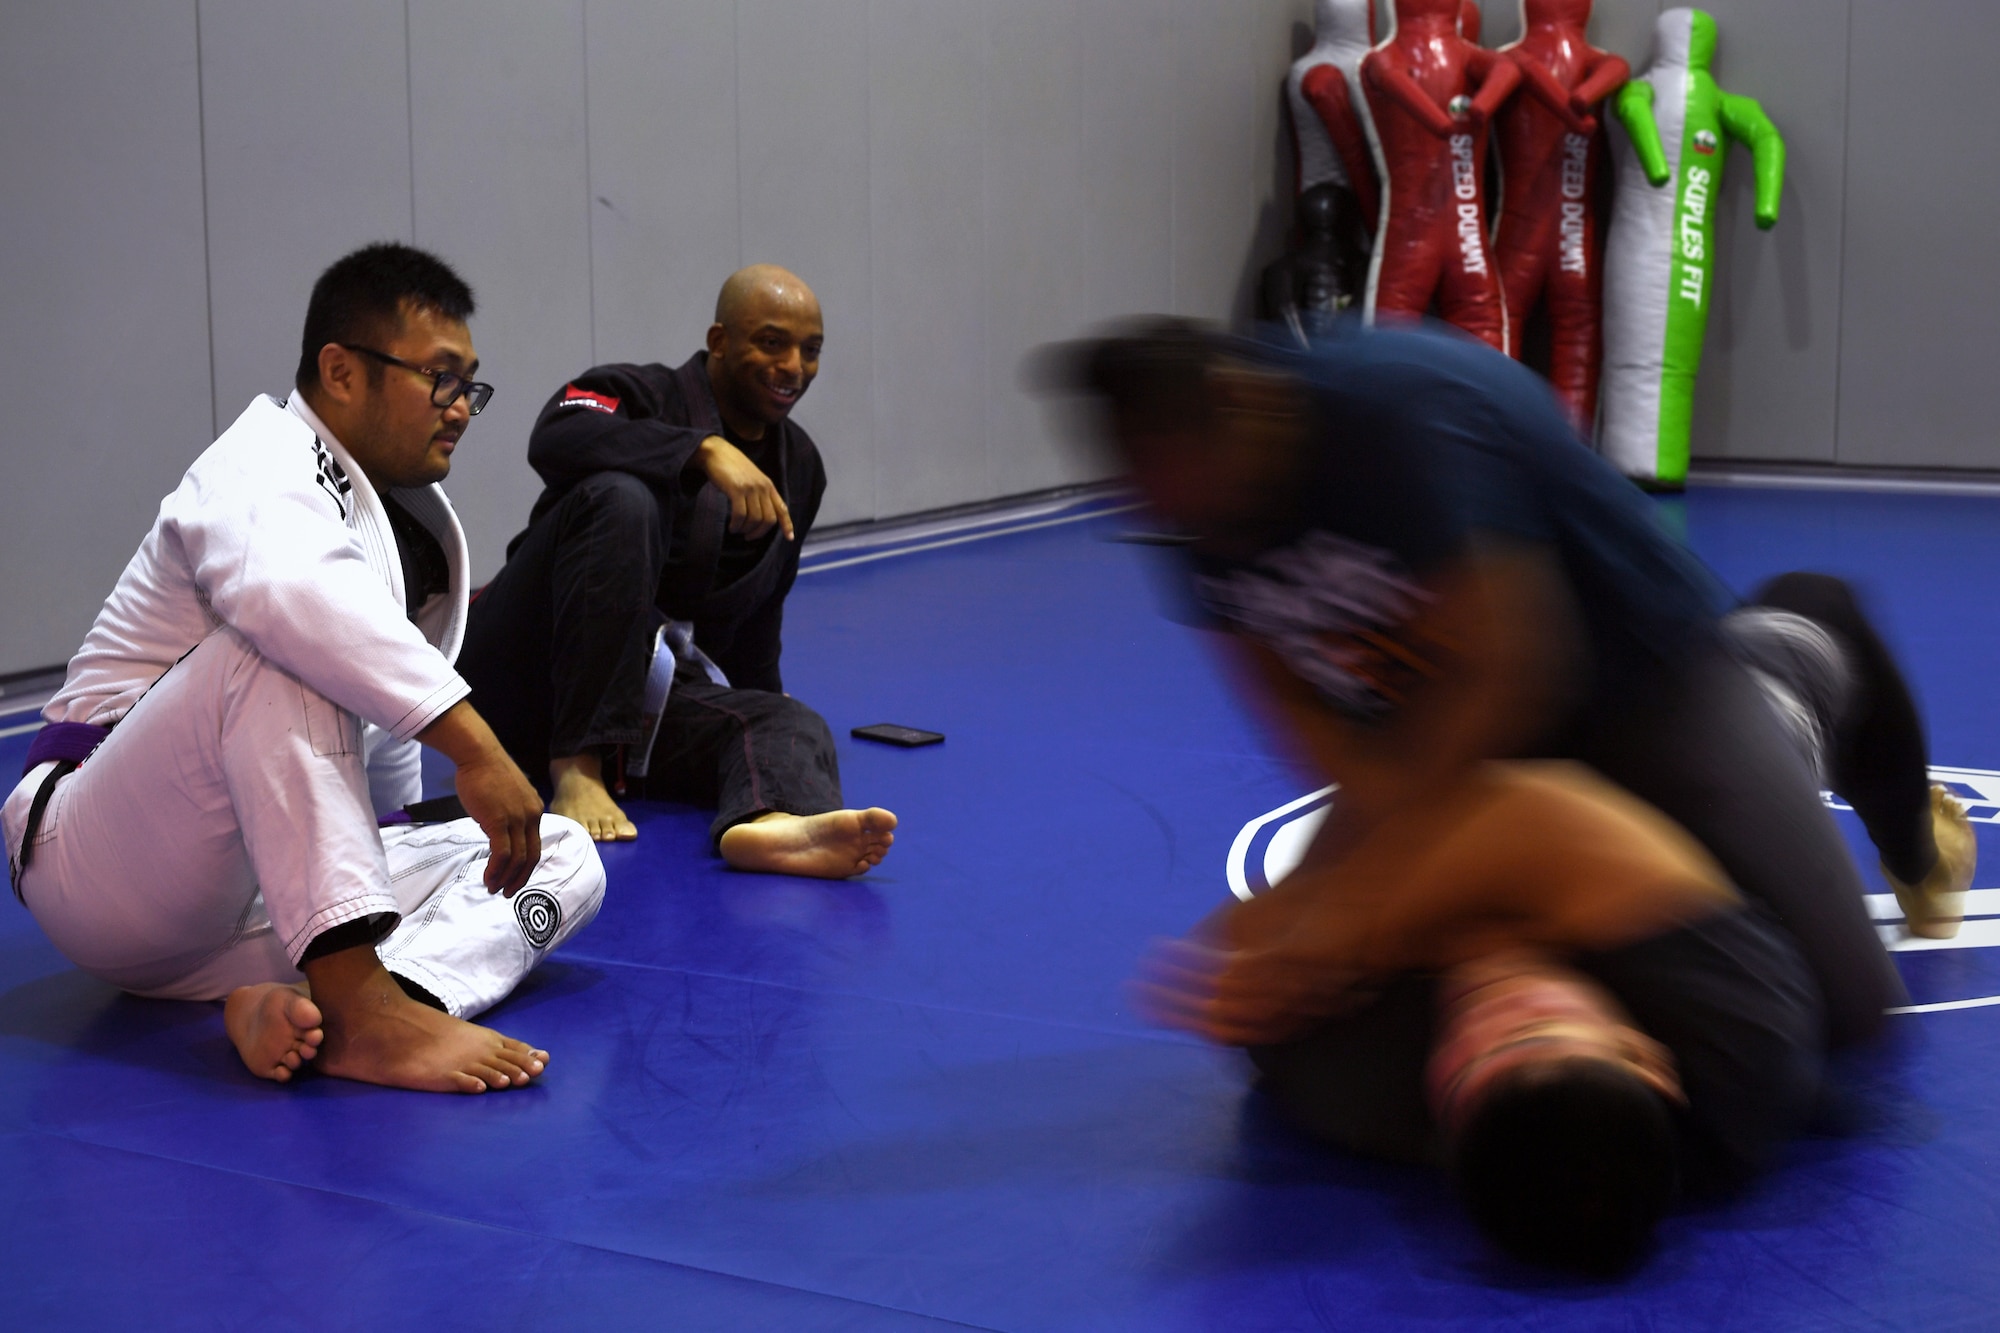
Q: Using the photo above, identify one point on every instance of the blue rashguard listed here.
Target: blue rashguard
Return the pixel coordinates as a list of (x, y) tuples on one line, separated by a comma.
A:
[(1423, 444)]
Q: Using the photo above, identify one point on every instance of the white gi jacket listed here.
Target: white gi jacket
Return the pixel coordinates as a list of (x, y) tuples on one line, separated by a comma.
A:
[(275, 532)]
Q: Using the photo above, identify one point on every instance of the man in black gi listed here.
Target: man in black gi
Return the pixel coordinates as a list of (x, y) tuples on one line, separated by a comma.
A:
[(675, 504)]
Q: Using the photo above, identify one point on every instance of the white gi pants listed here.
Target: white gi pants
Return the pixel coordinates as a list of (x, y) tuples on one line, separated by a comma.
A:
[(225, 823)]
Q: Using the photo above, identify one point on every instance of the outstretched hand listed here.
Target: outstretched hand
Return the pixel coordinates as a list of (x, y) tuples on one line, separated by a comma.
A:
[(1237, 997), (755, 507)]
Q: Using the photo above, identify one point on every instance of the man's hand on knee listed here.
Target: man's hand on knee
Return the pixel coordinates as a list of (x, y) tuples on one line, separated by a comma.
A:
[(509, 811), (495, 793), (755, 507)]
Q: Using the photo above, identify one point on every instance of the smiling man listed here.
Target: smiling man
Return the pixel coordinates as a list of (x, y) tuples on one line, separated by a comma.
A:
[(199, 821), (659, 556)]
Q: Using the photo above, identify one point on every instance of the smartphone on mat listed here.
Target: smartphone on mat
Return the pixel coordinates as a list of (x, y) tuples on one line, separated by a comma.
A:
[(891, 734)]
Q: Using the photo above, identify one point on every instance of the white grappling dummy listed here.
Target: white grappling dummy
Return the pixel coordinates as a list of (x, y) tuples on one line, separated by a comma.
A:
[(266, 683)]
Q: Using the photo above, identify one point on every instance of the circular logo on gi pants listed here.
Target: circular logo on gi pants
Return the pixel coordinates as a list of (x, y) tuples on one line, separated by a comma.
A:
[(1704, 141), (540, 916), (1270, 847)]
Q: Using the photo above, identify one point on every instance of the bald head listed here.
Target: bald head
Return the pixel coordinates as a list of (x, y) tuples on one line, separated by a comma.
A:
[(763, 349), (760, 285)]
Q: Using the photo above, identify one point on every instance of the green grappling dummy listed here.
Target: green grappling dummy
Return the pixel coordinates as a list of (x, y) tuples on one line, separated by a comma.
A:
[(1660, 258)]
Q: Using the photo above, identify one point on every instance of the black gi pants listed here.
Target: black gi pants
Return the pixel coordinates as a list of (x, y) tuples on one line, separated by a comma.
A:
[(1703, 744), (557, 648)]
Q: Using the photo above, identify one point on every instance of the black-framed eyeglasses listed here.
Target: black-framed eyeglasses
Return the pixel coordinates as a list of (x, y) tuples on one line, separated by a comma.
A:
[(446, 385)]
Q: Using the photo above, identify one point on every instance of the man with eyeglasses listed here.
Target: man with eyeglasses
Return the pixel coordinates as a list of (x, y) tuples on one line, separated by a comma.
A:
[(632, 640), (199, 821)]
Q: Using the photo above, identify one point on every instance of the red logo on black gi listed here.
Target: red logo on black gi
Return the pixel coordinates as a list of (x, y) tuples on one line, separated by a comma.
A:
[(596, 402), (540, 916)]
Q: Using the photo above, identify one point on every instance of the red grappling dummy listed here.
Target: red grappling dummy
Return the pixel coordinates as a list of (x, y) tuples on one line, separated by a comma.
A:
[(1550, 245), (1432, 95), (1328, 84)]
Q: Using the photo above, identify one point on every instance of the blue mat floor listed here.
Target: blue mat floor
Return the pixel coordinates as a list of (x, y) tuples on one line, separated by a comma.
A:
[(920, 1099)]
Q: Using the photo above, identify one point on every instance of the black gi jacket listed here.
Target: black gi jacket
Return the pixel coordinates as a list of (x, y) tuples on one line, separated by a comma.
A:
[(640, 420)]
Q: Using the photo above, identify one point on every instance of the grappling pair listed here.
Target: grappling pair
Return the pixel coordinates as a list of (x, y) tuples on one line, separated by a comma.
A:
[(223, 805), (1578, 926)]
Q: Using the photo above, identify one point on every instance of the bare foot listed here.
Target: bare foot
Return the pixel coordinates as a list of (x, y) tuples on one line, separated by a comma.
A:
[(580, 793), (377, 1034), (411, 1045), (276, 1028), (835, 845)]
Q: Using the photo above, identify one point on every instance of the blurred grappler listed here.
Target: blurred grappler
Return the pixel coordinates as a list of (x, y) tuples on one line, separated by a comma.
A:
[(1455, 611)]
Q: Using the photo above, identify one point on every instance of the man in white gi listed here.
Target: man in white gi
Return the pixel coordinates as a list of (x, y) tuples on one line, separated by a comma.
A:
[(269, 660)]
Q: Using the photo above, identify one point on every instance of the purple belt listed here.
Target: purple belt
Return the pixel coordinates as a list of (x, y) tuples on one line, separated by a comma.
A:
[(66, 741), (66, 744)]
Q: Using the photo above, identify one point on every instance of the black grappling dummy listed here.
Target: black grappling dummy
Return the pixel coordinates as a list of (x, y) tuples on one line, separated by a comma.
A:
[(676, 498), (1325, 271)]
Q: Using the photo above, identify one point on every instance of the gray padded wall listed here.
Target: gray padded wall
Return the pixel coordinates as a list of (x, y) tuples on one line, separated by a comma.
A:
[(1923, 284), (502, 191), (306, 131), (104, 359), (926, 89), (1771, 371), (802, 142)]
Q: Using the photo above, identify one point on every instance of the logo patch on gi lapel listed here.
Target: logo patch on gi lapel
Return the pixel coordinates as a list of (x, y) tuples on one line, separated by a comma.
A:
[(332, 478), (540, 916)]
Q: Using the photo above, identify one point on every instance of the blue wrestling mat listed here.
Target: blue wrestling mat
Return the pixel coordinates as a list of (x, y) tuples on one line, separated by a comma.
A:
[(920, 1100)]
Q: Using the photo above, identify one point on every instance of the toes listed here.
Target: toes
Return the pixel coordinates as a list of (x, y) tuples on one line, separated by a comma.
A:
[(301, 1013), (520, 1070), (516, 1062), (609, 828), (499, 1074)]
